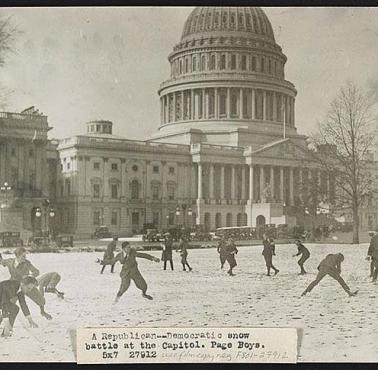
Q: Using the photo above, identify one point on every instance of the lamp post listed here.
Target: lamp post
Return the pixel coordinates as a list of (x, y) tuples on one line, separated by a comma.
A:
[(190, 214), (177, 214), (5, 188)]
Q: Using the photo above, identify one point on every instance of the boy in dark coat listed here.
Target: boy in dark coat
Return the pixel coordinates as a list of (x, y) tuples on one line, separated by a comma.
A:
[(231, 250), (183, 249), (10, 292), (130, 270), (331, 265), (167, 252), (19, 267), (268, 253), (373, 246), (304, 253), (221, 249), (109, 255)]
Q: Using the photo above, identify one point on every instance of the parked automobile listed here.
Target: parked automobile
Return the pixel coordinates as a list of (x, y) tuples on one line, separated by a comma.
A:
[(152, 235), (102, 232), (10, 239), (64, 241)]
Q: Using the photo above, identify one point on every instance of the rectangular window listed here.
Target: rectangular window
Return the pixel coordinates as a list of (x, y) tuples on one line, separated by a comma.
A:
[(222, 105), (212, 62), (171, 170), (171, 192), (253, 64), (194, 64), (155, 192), (171, 219), (96, 217), (114, 191), (68, 166), (233, 61), (262, 69), (13, 152), (96, 165), (114, 218), (155, 169), (96, 190), (68, 187), (114, 166), (155, 219), (244, 62)]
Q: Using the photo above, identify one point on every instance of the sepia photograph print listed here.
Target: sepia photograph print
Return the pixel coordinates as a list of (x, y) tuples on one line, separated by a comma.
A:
[(188, 184)]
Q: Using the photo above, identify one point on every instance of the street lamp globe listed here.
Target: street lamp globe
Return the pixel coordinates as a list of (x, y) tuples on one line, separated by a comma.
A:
[(178, 211), (190, 212), (38, 212), (52, 213)]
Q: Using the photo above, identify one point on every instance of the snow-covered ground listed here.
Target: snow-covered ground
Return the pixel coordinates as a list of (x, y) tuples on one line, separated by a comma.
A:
[(333, 326)]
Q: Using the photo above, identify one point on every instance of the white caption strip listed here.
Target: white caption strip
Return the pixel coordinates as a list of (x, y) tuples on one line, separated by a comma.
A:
[(172, 345)]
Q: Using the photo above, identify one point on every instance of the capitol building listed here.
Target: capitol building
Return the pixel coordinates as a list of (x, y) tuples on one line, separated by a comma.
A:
[(226, 152)]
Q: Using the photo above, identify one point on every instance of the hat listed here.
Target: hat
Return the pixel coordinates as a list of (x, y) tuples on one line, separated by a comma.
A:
[(125, 244)]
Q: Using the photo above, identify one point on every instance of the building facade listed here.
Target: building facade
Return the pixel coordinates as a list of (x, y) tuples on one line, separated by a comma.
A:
[(28, 162), (227, 151)]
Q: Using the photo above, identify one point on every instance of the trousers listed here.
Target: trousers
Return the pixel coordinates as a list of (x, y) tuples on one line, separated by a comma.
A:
[(49, 280), (36, 296), (138, 279), (331, 272), (13, 310)]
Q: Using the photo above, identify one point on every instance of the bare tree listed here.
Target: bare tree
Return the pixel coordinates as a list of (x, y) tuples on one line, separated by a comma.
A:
[(343, 143), (8, 33)]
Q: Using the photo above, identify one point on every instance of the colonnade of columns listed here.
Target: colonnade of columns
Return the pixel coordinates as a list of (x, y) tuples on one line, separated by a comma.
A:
[(227, 102), (259, 183)]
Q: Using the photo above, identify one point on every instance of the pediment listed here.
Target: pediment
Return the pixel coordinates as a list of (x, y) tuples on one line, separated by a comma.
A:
[(284, 149)]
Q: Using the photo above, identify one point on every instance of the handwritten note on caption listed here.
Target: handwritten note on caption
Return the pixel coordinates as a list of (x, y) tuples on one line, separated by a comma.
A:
[(172, 345)]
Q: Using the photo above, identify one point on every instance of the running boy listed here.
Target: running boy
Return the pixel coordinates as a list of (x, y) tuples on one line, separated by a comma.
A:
[(130, 270), (183, 249)]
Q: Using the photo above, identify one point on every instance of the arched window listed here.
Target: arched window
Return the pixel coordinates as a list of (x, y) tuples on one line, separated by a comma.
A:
[(262, 69), (194, 64), (212, 62), (223, 62), (180, 70), (135, 189), (211, 104), (233, 61), (186, 65)]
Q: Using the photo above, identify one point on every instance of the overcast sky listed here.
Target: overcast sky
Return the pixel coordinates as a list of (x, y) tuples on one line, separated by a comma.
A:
[(82, 64)]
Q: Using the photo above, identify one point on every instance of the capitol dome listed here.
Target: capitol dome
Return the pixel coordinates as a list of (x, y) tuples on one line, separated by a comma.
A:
[(227, 83), (248, 21)]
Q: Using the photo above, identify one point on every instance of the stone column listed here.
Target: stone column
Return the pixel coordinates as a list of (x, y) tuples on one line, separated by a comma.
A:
[(291, 186), (274, 106), (174, 107), (199, 184), (272, 181), (233, 193), (207, 105), (262, 182), (203, 103), (241, 105), (182, 105), (161, 111), (222, 182), (228, 103), (282, 194), (211, 181), (192, 109), (251, 183), (253, 105), (243, 182), (196, 105), (264, 105), (301, 184), (193, 184), (216, 103)]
